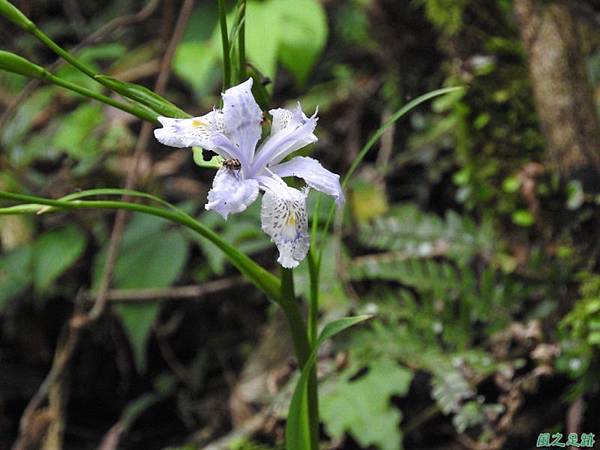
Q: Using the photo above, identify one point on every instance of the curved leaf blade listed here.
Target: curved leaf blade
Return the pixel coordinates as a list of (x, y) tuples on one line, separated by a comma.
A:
[(297, 430)]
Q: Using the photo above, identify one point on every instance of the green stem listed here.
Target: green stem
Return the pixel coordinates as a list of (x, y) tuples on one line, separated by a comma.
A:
[(225, 44), (313, 306), (242, 42), (292, 312), (134, 109), (260, 277), (303, 350), (45, 39)]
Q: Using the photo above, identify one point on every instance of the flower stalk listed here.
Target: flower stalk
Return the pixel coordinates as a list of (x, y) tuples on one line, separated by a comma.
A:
[(303, 349), (225, 45)]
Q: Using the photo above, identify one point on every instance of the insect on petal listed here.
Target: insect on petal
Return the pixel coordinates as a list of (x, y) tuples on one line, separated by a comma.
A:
[(231, 193)]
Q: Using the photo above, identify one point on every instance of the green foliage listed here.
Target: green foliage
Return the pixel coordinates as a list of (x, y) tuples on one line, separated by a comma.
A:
[(446, 14), (450, 285), (411, 232), (361, 407), (195, 63), (303, 37), (142, 95), (297, 429), (137, 321), (246, 444), (240, 230), (15, 274), (17, 64), (411, 344), (580, 342), (491, 129), (39, 264), (151, 256), (291, 32), (53, 253), (583, 322), (75, 134)]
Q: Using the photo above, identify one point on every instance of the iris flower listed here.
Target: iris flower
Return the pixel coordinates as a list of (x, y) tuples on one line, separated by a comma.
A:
[(233, 133)]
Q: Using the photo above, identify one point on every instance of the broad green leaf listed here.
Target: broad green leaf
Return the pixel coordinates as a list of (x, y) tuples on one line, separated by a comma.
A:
[(75, 134), (15, 274), (296, 432), (196, 64), (362, 407), (17, 129), (137, 320), (53, 253), (151, 256), (305, 33), (240, 230), (293, 31), (152, 261), (263, 31)]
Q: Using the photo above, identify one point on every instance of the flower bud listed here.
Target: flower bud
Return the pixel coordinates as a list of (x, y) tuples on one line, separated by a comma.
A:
[(12, 13), (17, 64)]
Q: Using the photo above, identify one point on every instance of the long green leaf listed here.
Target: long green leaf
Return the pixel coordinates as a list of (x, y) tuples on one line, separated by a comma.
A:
[(143, 95), (121, 192), (396, 116), (11, 62), (259, 276), (297, 429), (368, 146)]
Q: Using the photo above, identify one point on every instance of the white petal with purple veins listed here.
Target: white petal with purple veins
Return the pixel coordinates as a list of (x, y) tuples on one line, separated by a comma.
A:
[(197, 131), (315, 175), (292, 131), (242, 118), (284, 219), (231, 193)]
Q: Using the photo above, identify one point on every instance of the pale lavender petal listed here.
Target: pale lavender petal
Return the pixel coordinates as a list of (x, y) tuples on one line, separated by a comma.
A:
[(231, 193), (315, 175), (284, 219), (242, 118), (205, 131), (291, 131)]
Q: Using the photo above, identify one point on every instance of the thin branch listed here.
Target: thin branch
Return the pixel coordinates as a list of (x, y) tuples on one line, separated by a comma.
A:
[(173, 293)]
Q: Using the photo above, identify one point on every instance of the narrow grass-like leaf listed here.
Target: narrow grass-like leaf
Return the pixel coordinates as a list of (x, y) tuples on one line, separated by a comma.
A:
[(19, 65), (225, 45), (143, 95), (297, 429), (370, 143), (255, 273), (12, 13)]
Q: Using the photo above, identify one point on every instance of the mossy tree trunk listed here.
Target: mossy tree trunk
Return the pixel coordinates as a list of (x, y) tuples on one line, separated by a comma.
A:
[(553, 41)]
